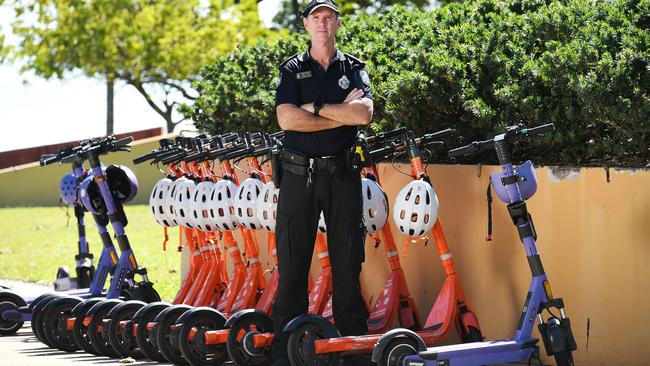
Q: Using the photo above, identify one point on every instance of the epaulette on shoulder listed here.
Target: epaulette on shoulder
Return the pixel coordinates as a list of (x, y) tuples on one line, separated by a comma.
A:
[(288, 59), (355, 60)]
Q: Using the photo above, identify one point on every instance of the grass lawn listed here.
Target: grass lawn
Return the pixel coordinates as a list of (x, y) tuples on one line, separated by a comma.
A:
[(35, 241)]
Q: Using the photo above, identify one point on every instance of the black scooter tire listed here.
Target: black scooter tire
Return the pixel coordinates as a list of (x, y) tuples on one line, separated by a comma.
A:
[(145, 340), (55, 315), (240, 347), (10, 301), (79, 331), (164, 321), (96, 336), (37, 319), (122, 339), (300, 346), (200, 354)]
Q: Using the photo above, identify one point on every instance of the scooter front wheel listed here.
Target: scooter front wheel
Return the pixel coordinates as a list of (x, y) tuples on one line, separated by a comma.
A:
[(300, 347), (144, 337), (10, 301), (396, 350), (195, 351), (37, 318), (240, 342), (79, 330), (55, 318)]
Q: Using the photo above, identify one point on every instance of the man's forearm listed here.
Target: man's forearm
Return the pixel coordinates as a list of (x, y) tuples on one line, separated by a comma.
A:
[(353, 113), (292, 118)]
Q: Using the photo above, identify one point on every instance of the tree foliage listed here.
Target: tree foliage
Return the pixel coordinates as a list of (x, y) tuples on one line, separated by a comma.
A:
[(475, 67), (155, 46), (288, 15)]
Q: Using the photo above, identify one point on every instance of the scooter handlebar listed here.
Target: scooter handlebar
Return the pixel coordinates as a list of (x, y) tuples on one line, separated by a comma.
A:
[(540, 130), (386, 135), (48, 159)]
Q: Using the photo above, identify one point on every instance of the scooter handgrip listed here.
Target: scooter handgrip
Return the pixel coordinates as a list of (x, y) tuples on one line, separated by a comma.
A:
[(145, 157), (441, 134), (122, 142), (48, 159), (540, 130), (386, 135), (380, 154), (464, 150), (173, 158)]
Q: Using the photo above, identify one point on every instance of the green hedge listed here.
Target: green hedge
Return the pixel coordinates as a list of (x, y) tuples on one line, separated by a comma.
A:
[(477, 66)]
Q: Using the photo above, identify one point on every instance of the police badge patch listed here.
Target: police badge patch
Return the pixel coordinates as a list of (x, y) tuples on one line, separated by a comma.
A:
[(344, 83), (364, 77)]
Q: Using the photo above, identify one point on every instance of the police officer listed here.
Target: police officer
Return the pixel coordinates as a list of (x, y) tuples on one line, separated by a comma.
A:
[(322, 96)]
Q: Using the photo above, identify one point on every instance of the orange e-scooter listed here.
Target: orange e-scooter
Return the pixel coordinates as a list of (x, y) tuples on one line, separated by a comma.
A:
[(315, 341)]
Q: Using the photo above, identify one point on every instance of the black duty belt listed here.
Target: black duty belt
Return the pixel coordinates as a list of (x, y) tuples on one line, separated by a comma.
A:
[(300, 164)]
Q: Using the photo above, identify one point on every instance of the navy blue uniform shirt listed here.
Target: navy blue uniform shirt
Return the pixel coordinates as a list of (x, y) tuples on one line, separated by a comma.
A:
[(302, 80)]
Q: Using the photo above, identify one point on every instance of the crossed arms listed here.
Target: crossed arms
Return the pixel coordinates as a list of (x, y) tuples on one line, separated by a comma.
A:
[(355, 110)]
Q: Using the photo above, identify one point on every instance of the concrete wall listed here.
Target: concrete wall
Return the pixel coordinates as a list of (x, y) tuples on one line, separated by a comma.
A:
[(33, 185), (593, 241)]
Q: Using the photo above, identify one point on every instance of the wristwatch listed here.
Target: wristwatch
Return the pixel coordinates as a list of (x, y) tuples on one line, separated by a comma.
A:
[(317, 108)]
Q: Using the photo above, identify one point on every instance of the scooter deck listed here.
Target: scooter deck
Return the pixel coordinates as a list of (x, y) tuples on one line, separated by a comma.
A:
[(477, 353)]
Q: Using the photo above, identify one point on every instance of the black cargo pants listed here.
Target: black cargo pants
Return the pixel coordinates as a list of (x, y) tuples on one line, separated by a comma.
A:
[(337, 193)]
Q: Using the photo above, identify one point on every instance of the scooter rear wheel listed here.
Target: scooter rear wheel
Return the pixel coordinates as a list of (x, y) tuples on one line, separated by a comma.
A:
[(300, 347), (37, 319), (240, 342), (121, 338), (144, 337), (97, 337), (164, 321), (79, 330), (10, 301), (195, 351), (396, 350), (55, 316)]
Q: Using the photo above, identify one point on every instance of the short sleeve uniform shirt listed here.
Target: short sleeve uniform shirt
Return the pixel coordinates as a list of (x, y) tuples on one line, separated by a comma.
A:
[(302, 80)]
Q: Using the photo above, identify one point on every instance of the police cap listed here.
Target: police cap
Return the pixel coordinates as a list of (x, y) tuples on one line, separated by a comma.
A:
[(315, 4)]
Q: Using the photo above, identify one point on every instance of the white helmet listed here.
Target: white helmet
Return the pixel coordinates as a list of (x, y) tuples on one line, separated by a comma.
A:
[(245, 202), (221, 208), (267, 205), (184, 193), (375, 205), (158, 203), (169, 201), (322, 226), (416, 208), (199, 206)]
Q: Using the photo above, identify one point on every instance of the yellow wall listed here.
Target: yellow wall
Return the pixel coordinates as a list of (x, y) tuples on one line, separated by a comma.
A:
[(593, 241), (33, 185), (593, 238)]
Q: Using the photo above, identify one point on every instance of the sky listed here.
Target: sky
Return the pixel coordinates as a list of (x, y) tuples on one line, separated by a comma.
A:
[(35, 112)]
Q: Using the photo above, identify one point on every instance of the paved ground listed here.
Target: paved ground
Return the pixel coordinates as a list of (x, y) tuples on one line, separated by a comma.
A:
[(24, 349)]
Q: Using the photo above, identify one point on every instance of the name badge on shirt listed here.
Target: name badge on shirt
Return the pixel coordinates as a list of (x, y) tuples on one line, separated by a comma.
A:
[(303, 75)]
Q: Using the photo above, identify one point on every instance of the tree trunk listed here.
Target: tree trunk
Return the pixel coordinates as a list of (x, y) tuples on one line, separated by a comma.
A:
[(296, 12), (110, 92), (170, 124)]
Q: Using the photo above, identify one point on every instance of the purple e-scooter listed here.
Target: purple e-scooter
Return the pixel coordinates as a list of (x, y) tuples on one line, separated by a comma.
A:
[(513, 185), (16, 309), (66, 320)]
